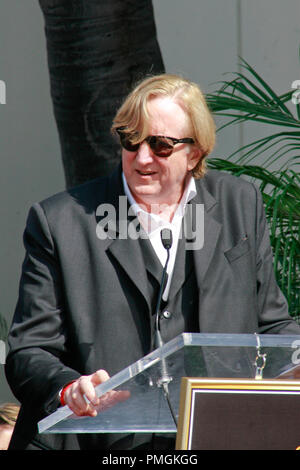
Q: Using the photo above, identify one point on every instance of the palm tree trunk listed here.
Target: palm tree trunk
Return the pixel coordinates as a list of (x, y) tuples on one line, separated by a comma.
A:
[(96, 50)]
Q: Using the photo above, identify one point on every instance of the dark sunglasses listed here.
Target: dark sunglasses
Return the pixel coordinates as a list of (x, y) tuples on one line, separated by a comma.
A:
[(160, 145)]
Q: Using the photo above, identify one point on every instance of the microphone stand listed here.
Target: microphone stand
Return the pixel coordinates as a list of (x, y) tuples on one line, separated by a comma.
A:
[(165, 379)]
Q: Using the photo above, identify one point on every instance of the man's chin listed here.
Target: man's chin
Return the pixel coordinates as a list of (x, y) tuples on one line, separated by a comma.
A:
[(146, 193)]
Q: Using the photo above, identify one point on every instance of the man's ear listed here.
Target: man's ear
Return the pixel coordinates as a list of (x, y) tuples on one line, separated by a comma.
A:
[(194, 155)]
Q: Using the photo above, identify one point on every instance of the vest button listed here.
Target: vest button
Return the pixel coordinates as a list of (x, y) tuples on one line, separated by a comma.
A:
[(166, 314)]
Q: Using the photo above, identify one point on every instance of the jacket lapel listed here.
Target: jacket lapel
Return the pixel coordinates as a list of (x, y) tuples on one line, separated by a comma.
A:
[(181, 269), (192, 223), (125, 249), (151, 261), (129, 256), (211, 230)]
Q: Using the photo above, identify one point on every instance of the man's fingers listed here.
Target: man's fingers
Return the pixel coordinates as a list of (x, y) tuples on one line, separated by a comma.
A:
[(81, 396), (99, 377), (75, 400), (87, 388), (82, 399), (90, 382)]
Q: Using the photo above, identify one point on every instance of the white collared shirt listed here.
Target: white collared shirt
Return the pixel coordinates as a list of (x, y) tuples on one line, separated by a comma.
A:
[(153, 224)]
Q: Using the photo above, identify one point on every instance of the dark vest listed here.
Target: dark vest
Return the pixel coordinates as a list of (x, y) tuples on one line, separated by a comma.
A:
[(180, 313)]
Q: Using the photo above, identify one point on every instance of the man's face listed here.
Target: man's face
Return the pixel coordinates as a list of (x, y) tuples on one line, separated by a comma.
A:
[(155, 180)]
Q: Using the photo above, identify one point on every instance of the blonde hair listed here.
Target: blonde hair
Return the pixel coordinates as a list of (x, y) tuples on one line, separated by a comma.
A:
[(9, 413), (133, 115)]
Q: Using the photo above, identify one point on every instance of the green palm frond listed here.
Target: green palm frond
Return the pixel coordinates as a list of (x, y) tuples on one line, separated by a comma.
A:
[(249, 99)]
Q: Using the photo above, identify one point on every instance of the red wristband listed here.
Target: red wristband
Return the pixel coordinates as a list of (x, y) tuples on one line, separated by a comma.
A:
[(62, 393)]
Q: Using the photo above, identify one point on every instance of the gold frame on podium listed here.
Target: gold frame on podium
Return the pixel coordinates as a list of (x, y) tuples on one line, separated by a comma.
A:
[(239, 414)]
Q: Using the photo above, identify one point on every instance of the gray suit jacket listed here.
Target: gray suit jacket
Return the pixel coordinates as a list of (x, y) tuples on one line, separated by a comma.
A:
[(84, 302)]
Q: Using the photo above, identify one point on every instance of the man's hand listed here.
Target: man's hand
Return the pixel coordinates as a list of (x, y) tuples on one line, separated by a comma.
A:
[(85, 385)]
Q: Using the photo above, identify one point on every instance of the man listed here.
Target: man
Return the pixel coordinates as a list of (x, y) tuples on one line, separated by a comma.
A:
[(88, 287)]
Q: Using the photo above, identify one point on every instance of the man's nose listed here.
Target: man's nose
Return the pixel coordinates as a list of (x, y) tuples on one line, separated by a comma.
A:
[(144, 154)]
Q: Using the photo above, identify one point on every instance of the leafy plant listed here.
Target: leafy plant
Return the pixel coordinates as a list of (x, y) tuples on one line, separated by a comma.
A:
[(249, 99)]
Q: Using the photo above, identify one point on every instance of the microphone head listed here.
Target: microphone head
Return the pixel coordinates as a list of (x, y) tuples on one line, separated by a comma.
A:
[(166, 238)]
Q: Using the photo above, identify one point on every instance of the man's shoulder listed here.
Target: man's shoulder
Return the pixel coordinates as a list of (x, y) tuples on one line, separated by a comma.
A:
[(84, 195), (219, 182)]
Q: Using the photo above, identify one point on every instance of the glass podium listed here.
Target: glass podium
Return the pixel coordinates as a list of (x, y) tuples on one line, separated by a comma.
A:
[(145, 397)]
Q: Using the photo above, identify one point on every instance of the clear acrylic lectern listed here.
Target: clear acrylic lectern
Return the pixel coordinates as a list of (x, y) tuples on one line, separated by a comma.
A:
[(142, 386)]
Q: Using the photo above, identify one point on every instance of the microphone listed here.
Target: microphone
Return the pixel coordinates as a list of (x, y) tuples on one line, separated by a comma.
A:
[(165, 379), (167, 240)]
